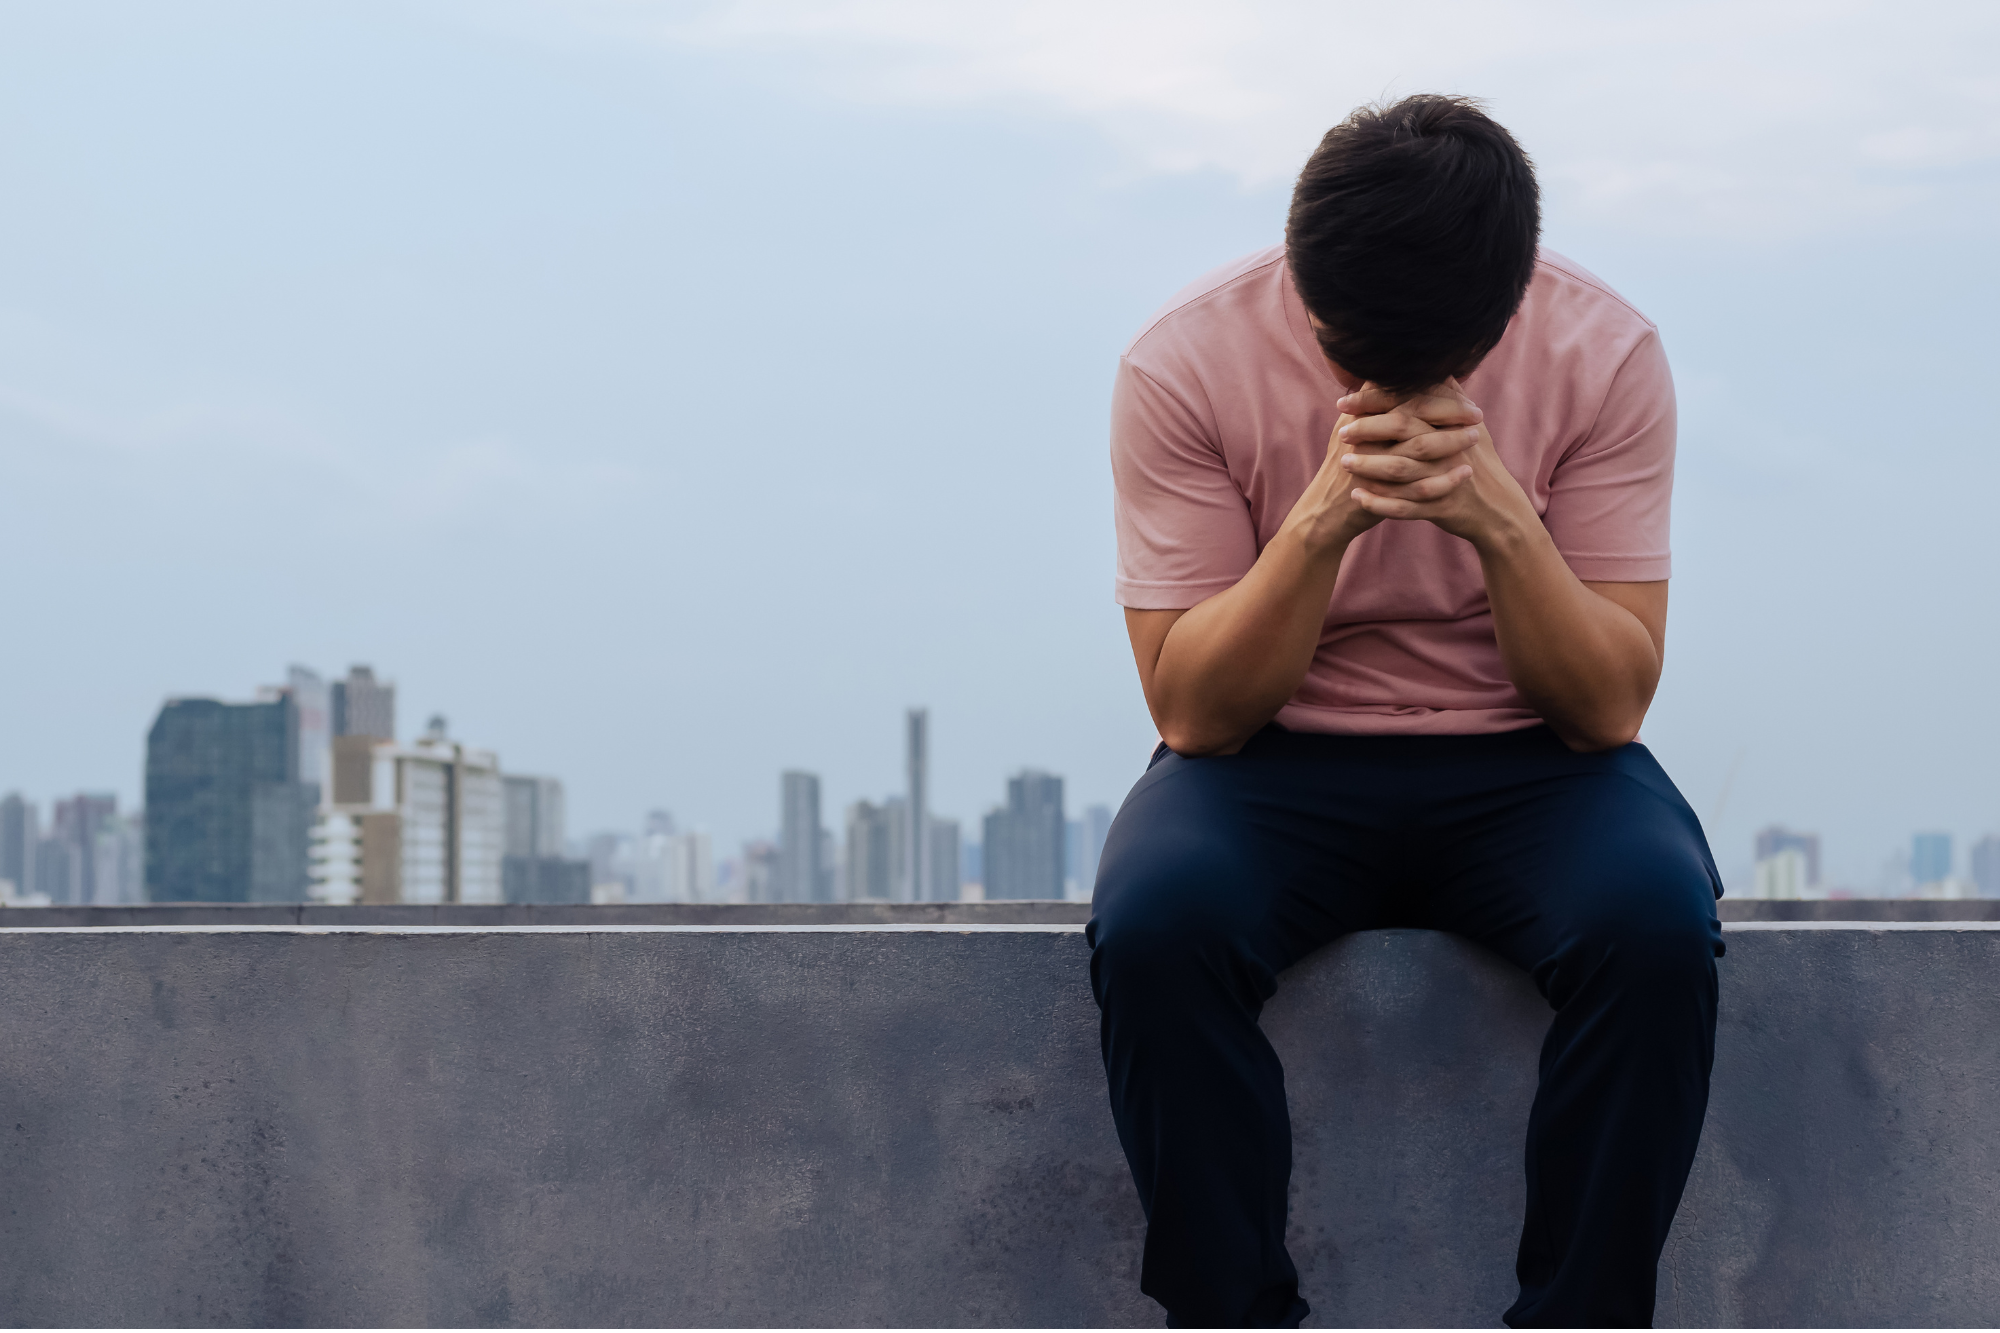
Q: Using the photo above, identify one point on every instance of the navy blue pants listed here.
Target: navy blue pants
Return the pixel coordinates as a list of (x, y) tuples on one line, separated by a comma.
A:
[(1587, 870)]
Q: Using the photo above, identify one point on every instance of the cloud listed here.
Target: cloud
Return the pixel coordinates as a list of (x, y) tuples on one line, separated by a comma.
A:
[(1760, 116)]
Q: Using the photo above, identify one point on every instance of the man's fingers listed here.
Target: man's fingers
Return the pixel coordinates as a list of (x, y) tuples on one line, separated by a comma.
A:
[(1369, 400), (1395, 468), (1444, 406), (1383, 428), (1434, 445), (1410, 500)]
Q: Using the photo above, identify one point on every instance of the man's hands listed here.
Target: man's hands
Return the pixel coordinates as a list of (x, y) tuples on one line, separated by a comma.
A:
[(1427, 456)]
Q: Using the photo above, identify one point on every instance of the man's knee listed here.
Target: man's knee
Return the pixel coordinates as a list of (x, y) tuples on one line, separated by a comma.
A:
[(1653, 927), (1168, 907)]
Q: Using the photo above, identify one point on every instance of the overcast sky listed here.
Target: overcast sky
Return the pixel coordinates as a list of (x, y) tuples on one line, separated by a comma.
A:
[(671, 394)]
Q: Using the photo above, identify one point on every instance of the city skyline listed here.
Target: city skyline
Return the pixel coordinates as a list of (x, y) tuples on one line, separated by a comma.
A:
[(509, 291), (862, 850)]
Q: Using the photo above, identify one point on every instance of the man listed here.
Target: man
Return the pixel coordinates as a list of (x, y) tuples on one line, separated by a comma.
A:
[(1392, 543)]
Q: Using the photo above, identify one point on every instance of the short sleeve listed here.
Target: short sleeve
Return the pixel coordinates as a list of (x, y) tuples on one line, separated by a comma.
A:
[(1184, 529), (1610, 498)]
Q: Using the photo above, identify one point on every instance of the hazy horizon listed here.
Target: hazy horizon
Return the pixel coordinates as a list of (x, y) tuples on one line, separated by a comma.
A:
[(673, 394)]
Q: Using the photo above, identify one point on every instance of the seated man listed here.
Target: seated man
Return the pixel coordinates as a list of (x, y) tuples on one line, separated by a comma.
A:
[(1392, 543)]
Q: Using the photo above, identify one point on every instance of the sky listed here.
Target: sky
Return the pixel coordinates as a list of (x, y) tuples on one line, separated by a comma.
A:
[(671, 394)]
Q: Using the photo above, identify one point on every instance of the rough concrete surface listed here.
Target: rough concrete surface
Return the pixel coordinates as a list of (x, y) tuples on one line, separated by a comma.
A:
[(908, 1128), (1011, 912)]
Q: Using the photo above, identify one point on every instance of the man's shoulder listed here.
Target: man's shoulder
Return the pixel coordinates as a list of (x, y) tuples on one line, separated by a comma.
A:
[(1244, 288), (1566, 290)]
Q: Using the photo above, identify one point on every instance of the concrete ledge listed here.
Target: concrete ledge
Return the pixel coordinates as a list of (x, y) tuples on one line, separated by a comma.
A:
[(906, 1127), (723, 914)]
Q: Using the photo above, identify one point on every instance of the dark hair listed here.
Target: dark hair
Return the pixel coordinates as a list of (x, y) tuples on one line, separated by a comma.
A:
[(1412, 239)]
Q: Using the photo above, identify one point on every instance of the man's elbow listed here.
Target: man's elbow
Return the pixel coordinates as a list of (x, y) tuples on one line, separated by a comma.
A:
[(1595, 735), (1195, 741)]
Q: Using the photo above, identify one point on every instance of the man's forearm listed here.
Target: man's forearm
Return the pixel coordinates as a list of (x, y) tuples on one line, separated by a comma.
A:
[(1588, 665), (1228, 665)]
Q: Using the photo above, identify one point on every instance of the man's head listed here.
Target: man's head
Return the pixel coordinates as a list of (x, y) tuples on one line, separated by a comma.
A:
[(1412, 238)]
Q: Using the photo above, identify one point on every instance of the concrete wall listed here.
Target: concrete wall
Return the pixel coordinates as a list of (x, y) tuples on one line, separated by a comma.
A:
[(906, 1126), (1015, 912)]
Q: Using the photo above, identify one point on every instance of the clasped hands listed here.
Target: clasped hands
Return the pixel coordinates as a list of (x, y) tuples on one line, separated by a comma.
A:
[(1423, 456)]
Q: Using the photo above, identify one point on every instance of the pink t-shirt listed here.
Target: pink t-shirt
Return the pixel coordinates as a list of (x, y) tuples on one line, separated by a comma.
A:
[(1221, 416)]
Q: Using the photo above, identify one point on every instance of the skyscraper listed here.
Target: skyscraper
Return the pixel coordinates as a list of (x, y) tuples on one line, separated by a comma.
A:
[(1777, 838), (1986, 866), (913, 883), (313, 713), (79, 823), (1023, 844), (534, 869), (1930, 859), (944, 869), (20, 830), (868, 853), (801, 877), (227, 818), (1095, 826), (363, 706)]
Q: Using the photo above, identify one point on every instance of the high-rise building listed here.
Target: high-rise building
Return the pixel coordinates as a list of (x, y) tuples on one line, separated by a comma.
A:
[(1985, 866), (1782, 874), (423, 823), (118, 861), (913, 879), (78, 823), (227, 818), (1777, 838), (869, 862), (1930, 859), (1023, 841), (313, 707), (802, 875), (534, 869), (760, 872), (1095, 827), (363, 706), (944, 864), (534, 816), (20, 831)]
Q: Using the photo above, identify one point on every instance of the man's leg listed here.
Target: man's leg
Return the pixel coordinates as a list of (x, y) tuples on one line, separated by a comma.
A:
[(1593, 874), (1217, 874)]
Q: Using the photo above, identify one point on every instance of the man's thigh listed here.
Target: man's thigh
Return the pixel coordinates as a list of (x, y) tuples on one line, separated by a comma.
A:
[(1578, 848), (1277, 849)]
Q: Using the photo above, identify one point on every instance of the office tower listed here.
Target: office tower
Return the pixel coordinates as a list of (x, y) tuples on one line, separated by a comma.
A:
[(77, 823), (691, 868), (1783, 874), (118, 861), (424, 823), (1985, 866), (869, 863), (314, 715), (660, 821), (58, 872), (1096, 827), (363, 706), (760, 871), (1023, 842), (1776, 838), (534, 869), (227, 818), (20, 830), (534, 816), (1930, 859), (944, 864), (913, 880), (612, 856), (801, 872)]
